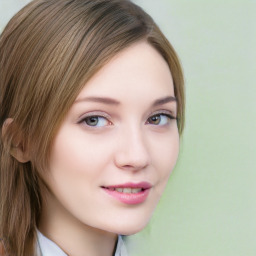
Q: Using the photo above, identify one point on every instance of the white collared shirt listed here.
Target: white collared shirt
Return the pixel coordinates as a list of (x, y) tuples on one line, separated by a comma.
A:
[(46, 247)]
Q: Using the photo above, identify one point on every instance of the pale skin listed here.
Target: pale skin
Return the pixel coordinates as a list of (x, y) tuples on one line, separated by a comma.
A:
[(120, 129)]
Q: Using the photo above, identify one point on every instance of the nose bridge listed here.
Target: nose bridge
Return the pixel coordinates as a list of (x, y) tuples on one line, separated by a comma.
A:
[(132, 150)]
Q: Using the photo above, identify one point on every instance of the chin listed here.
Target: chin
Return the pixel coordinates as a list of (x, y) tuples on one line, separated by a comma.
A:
[(129, 226), (129, 229)]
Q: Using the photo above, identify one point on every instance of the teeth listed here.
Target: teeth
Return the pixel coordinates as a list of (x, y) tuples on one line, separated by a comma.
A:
[(128, 190), (136, 190)]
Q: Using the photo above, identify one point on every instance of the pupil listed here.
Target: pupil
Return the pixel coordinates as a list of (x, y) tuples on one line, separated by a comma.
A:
[(92, 121), (155, 119)]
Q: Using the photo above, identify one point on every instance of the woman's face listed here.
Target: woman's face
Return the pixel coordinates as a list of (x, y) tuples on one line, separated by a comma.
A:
[(117, 146)]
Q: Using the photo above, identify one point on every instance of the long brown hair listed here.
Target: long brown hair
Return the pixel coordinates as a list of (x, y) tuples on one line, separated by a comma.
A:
[(48, 51)]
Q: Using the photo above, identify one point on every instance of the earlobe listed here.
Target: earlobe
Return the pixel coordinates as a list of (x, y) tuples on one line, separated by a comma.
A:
[(20, 154), (18, 149)]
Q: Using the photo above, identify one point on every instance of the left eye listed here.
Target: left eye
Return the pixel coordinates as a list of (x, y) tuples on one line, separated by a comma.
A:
[(95, 121), (159, 119)]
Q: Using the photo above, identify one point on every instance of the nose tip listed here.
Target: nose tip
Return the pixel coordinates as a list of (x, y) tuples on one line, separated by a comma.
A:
[(128, 163), (132, 153)]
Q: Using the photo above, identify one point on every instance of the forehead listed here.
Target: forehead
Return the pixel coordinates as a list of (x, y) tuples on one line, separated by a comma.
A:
[(138, 70)]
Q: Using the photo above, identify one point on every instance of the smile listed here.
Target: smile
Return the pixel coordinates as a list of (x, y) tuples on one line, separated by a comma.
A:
[(126, 190), (129, 193)]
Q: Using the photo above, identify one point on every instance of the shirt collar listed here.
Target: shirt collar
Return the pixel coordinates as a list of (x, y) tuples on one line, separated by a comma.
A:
[(46, 247)]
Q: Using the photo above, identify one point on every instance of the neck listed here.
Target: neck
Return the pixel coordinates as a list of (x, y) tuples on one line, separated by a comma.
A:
[(72, 236)]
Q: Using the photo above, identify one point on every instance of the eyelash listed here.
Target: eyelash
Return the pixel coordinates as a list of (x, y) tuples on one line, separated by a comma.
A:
[(85, 119), (94, 115), (167, 115)]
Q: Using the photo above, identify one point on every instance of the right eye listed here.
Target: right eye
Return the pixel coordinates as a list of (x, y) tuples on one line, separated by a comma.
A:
[(95, 121)]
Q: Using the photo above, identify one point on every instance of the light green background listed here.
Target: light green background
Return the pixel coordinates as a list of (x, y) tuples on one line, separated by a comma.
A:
[(209, 206)]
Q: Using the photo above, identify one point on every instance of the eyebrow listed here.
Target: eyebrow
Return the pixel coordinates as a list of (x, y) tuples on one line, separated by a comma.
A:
[(164, 100), (104, 100), (110, 101)]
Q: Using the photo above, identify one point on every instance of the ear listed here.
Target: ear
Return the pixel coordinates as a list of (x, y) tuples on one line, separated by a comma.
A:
[(18, 149)]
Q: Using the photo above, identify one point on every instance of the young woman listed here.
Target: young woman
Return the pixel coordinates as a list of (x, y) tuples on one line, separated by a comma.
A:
[(92, 108)]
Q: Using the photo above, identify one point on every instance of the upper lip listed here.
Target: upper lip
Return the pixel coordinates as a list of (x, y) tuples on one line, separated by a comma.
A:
[(143, 185)]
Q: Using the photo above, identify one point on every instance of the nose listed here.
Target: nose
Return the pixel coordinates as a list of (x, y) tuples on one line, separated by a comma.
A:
[(132, 150)]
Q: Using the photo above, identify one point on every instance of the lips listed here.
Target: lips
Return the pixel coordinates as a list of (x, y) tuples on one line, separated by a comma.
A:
[(127, 190), (129, 193)]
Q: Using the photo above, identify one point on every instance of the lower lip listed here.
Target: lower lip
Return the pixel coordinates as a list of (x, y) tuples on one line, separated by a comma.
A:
[(129, 198)]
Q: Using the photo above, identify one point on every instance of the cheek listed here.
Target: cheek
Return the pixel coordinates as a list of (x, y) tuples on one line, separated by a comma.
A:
[(165, 156), (69, 166), (76, 165), (77, 152)]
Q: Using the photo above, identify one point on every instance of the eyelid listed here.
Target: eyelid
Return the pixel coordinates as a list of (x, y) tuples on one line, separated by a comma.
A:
[(168, 113), (94, 113)]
